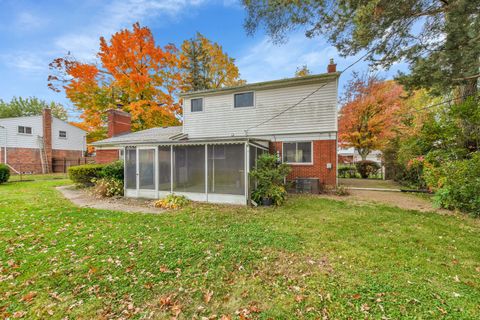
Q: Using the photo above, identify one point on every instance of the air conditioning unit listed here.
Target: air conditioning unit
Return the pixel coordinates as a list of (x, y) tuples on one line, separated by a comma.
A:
[(307, 185)]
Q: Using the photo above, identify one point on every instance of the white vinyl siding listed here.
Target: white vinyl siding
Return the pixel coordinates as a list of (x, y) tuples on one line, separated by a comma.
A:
[(19, 140), (74, 140), (220, 119)]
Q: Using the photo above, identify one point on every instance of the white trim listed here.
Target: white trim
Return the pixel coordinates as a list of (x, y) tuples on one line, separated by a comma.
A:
[(245, 107), (296, 151)]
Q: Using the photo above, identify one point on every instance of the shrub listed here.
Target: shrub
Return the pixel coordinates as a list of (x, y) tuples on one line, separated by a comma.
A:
[(457, 184), (84, 174), (341, 190), (107, 187), (172, 201), (347, 172), (4, 173), (367, 168), (270, 175), (113, 170)]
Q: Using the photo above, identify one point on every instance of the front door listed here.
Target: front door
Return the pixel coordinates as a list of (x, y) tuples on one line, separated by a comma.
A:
[(146, 170)]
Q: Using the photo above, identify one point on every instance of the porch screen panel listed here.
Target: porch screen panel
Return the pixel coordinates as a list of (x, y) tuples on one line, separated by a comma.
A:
[(189, 169), (146, 168), (164, 166), (131, 168), (226, 169)]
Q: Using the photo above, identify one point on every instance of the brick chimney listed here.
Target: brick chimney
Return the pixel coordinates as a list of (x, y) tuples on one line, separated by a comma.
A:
[(119, 122), (47, 136), (332, 67)]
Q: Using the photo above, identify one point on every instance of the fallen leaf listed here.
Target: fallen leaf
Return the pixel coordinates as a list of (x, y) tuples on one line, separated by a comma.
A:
[(19, 314), (356, 296), (299, 298), (29, 296), (207, 296)]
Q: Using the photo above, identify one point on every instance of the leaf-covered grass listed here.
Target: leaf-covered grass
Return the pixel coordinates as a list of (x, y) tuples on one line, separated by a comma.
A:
[(313, 258)]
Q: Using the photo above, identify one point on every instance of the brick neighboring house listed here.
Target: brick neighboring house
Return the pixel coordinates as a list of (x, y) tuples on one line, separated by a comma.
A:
[(223, 133), (34, 144)]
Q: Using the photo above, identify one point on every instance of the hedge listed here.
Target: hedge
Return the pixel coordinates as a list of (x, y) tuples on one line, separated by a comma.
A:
[(84, 174)]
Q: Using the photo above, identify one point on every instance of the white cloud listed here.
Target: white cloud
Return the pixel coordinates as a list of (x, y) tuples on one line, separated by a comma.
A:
[(116, 15), (29, 21), (24, 61)]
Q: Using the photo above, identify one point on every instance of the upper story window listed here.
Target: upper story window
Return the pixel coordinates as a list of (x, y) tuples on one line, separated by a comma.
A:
[(62, 134), (196, 105), (297, 152), (24, 130), (242, 100)]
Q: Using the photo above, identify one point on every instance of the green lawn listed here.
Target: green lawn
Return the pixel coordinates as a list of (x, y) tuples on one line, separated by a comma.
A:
[(314, 258)]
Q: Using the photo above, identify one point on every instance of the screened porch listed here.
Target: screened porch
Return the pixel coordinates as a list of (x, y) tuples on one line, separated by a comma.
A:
[(209, 172)]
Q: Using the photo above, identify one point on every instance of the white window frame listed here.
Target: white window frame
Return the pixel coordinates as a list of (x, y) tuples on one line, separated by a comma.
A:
[(24, 130), (203, 104), (60, 137), (248, 107), (296, 153)]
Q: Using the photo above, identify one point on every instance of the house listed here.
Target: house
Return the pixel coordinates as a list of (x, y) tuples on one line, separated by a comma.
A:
[(224, 131), (40, 144), (350, 155)]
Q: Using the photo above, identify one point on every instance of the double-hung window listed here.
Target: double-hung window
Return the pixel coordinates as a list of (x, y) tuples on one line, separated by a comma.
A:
[(243, 100), (24, 130), (196, 105), (298, 152)]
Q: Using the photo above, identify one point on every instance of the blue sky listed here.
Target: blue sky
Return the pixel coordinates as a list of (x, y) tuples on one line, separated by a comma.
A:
[(32, 33)]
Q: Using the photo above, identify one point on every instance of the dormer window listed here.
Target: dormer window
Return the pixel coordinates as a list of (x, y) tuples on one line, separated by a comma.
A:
[(62, 134), (243, 100), (24, 130), (196, 105)]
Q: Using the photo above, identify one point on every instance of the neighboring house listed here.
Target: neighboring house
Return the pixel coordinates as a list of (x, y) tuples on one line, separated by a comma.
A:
[(33, 144), (224, 131), (350, 155)]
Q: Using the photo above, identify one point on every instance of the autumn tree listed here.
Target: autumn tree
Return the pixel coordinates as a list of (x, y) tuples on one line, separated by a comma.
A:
[(302, 71), (439, 39), (368, 114), (132, 74), (207, 66), (22, 107)]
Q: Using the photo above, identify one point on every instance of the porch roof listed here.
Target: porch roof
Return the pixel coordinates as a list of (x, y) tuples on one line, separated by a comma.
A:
[(165, 135)]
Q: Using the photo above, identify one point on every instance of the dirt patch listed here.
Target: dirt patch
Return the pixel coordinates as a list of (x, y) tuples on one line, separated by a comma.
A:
[(369, 183), (82, 198), (402, 200)]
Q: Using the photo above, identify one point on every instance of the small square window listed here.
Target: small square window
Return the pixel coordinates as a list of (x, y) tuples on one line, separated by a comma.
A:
[(196, 105), (242, 100), (62, 134)]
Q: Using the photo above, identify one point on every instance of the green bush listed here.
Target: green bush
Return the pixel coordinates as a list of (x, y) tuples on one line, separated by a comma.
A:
[(457, 184), (84, 174), (367, 168), (270, 175), (347, 172), (4, 173), (107, 187), (113, 170)]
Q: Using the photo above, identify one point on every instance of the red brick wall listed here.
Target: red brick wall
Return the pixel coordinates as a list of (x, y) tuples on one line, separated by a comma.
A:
[(28, 159), (324, 151), (106, 156)]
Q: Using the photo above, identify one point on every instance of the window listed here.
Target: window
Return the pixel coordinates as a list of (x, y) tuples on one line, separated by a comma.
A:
[(242, 100), (196, 105), (24, 130), (62, 134), (297, 152)]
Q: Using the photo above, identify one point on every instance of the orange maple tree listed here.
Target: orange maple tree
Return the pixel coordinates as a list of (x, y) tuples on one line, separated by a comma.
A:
[(132, 74), (369, 114)]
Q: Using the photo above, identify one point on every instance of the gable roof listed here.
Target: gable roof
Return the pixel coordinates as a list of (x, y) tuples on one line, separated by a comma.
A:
[(153, 135), (266, 84)]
